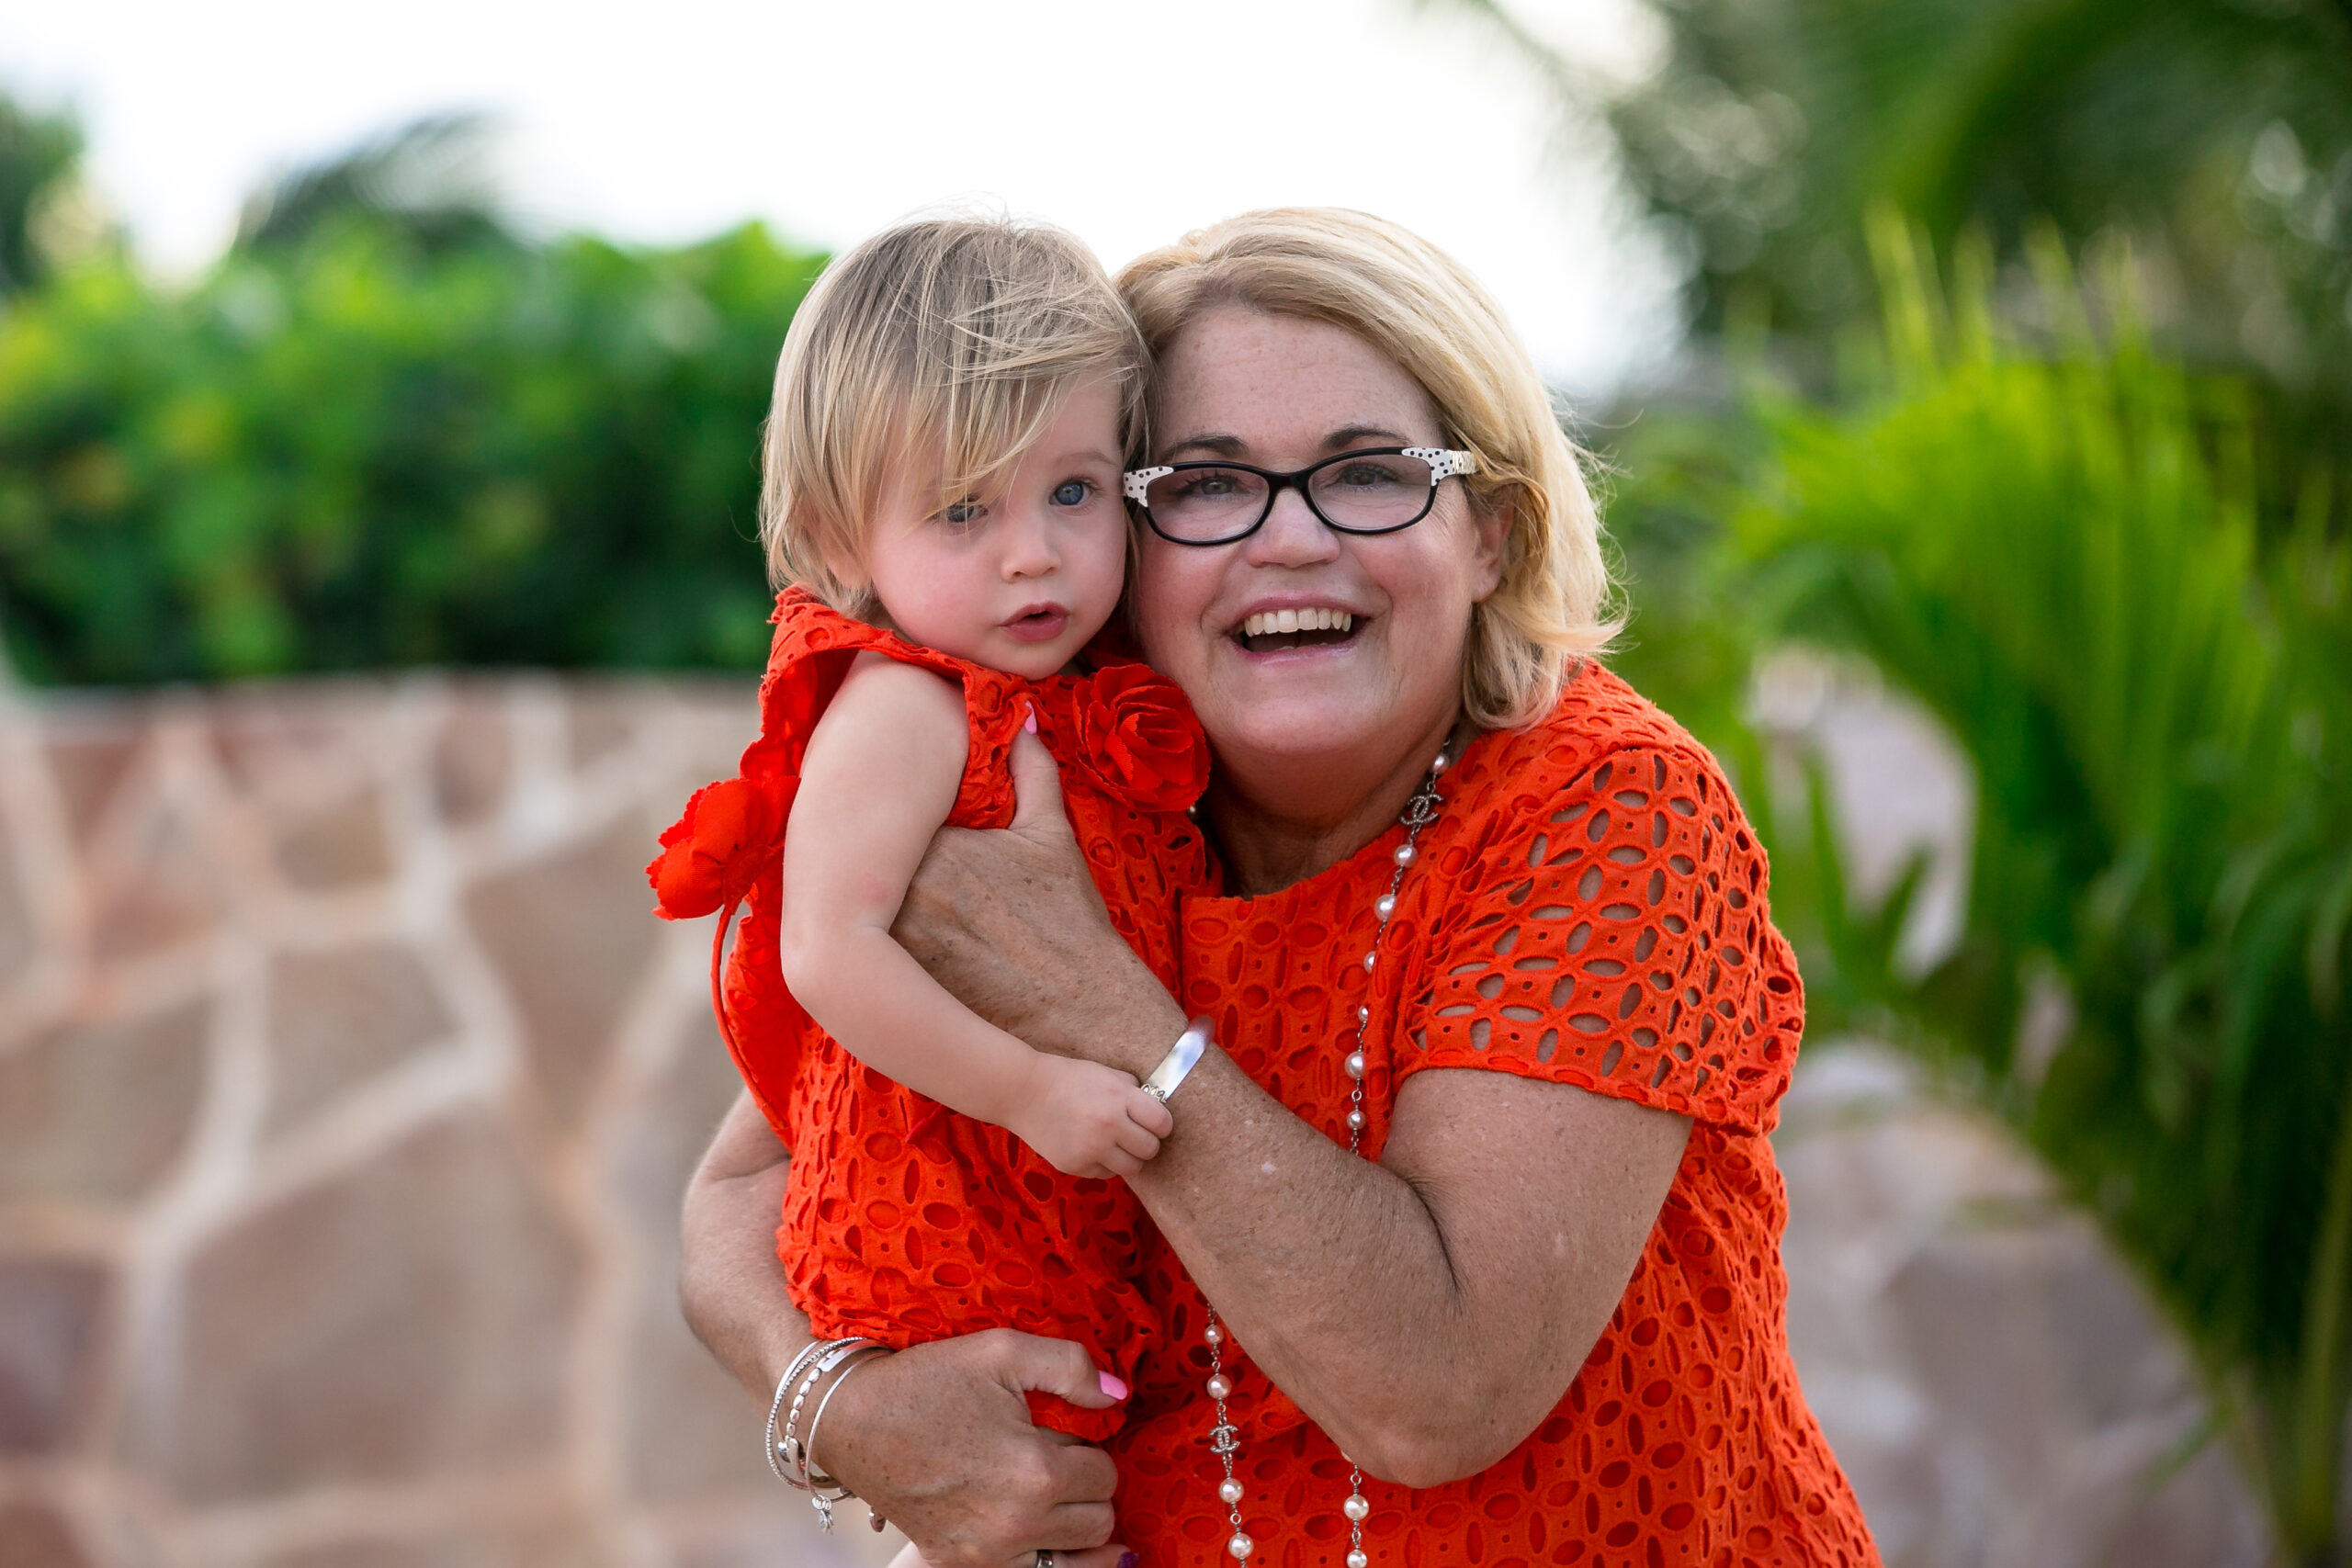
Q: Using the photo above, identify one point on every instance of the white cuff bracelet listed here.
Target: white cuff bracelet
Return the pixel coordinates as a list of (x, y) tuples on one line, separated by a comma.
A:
[(1181, 1059)]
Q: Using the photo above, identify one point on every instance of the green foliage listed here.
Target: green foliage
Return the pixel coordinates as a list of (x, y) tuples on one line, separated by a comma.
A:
[(2060, 557), (2218, 132), (36, 152), (350, 446)]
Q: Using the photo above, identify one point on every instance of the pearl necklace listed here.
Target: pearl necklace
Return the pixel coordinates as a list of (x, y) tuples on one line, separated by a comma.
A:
[(1224, 1439)]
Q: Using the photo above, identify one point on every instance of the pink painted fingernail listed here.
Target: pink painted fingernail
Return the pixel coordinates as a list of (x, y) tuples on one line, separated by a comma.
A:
[(1030, 724), (1112, 1386)]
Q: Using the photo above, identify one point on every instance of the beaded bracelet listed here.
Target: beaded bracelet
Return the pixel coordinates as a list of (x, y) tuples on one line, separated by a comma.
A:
[(810, 1368), (819, 1481), (775, 1406)]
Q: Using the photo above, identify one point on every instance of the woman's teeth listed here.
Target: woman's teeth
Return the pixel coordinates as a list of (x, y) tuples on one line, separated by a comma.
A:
[(1273, 621)]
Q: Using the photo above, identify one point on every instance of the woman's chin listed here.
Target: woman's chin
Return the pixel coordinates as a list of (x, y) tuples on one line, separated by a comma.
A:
[(1303, 726)]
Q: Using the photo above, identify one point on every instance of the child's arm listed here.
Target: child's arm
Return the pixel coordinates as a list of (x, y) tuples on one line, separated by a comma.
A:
[(879, 780)]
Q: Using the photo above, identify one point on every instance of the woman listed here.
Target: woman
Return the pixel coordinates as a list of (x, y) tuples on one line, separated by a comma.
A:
[(1541, 1305)]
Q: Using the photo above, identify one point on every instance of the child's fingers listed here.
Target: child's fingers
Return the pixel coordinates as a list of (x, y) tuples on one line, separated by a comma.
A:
[(1147, 1113), (1137, 1143)]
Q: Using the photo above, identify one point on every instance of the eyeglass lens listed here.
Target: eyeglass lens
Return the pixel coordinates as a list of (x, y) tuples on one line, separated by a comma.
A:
[(1365, 493)]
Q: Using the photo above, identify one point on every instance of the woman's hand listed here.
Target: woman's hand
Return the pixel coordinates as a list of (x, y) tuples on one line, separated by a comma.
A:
[(937, 1439), (1012, 924)]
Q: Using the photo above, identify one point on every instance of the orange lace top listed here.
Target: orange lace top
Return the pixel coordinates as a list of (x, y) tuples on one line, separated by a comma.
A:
[(903, 1221), (1589, 908)]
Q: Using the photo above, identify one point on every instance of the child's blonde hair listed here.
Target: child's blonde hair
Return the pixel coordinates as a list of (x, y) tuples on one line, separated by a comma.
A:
[(1416, 304), (947, 340)]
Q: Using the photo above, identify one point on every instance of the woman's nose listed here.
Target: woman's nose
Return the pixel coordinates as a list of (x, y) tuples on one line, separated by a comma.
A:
[(1292, 535)]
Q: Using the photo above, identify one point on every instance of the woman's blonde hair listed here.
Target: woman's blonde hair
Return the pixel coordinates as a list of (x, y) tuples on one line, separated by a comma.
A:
[(949, 340), (1416, 304)]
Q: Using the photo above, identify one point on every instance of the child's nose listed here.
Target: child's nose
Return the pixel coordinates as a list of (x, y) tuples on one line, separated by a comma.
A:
[(1029, 546)]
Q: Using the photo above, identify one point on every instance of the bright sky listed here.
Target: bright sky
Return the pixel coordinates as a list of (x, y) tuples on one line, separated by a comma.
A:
[(1126, 122)]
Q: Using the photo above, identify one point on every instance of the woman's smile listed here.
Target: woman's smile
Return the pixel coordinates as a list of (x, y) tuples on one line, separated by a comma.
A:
[(1290, 626)]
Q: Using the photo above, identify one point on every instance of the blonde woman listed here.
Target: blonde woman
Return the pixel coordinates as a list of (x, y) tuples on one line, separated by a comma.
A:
[(1468, 1226)]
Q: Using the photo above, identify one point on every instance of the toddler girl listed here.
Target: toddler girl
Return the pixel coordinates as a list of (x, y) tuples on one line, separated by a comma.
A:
[(942, 491)]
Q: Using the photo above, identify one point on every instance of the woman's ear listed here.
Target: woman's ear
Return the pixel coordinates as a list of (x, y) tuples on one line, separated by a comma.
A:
[(1490, 539)]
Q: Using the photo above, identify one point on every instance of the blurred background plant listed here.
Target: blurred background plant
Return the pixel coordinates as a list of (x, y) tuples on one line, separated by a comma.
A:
[(2086, 506), (385, 429), (2058, 554)]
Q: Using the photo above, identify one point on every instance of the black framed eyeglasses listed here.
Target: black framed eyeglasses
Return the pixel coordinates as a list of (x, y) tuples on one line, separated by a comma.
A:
[(1378, 491)]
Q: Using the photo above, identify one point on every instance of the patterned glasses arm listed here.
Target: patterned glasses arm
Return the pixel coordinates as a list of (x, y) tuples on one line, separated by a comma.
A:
[(1135, 481), (1443, 465)]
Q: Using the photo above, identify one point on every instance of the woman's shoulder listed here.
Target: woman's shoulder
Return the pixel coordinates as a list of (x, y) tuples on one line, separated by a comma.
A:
[(1604, 919), (1600, 727)]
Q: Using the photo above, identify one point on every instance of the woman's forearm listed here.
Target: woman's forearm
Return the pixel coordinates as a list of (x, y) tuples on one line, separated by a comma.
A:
[(1427, 1311), (731, 1284)]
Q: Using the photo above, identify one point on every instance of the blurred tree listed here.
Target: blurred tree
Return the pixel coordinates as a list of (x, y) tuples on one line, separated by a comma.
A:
[(383, 431), (38, 154), (2217, 132), (427, 181)]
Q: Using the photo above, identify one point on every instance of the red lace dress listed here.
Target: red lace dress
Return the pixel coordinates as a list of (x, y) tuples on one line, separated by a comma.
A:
[(903, 1221), (1589, 909)]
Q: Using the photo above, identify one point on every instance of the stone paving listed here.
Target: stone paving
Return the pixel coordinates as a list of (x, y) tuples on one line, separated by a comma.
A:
[(347, 1090)]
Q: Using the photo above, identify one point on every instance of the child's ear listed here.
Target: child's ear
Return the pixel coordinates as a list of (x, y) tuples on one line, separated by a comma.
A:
[(849, 571)]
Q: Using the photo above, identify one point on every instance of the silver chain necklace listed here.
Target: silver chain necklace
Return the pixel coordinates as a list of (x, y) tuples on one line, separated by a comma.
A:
[(1224, 1439)]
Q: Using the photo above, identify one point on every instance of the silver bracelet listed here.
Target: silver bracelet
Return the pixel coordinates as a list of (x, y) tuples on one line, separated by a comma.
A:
[(1182, 1057), (821, 1358), (819, 1481), (809, 1352)]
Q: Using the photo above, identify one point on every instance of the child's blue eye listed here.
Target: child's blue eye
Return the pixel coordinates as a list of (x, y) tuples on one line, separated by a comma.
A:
[(1071, 492), (962, 513)]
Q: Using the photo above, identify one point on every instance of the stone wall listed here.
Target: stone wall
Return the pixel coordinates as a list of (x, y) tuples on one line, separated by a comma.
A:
[(347, 1090)]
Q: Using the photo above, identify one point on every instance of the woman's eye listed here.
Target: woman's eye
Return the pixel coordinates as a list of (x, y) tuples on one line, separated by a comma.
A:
[(1366, 475), (1071, 492)]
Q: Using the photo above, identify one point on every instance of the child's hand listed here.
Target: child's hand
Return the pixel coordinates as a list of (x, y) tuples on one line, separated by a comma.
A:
[(1085, 1119)]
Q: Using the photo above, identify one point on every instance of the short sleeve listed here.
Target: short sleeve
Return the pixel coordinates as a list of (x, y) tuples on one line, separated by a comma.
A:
[(1614, 933)]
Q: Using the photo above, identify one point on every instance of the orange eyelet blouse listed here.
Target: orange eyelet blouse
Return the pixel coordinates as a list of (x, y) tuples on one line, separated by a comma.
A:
[(1588, 909)]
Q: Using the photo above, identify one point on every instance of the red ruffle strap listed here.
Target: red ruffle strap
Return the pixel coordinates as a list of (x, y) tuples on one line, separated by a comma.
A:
[(729, 841)]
